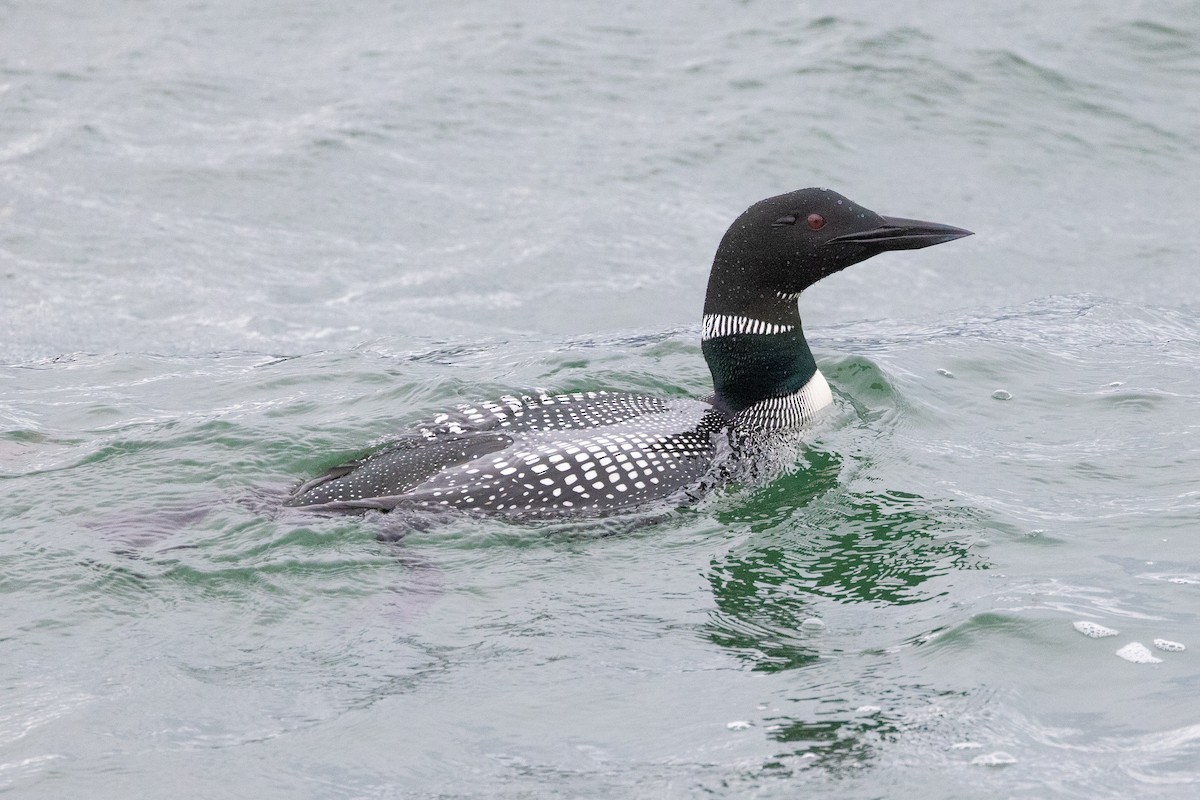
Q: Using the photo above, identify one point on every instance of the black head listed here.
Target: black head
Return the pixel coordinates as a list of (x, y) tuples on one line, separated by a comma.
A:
[(782, 245)]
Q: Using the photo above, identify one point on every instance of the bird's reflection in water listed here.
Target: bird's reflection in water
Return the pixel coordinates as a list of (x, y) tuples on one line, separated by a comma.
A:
[(817, 548)]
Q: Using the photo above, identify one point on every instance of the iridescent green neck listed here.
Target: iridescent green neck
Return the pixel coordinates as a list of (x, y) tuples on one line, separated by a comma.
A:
[(748, 368)]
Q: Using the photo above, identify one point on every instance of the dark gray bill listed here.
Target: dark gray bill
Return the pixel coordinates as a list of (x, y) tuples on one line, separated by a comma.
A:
[(897, 233)]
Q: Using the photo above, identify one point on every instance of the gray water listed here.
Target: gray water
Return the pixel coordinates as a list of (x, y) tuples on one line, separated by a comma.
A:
[(239, 242)]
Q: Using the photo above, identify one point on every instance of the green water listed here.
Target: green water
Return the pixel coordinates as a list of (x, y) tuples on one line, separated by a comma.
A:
[(239, 244)]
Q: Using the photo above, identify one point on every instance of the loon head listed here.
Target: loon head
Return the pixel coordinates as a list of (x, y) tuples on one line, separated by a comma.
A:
[(774, 251), (782, 245)]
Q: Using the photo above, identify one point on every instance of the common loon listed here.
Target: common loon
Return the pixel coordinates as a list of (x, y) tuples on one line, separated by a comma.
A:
[(593, 453)]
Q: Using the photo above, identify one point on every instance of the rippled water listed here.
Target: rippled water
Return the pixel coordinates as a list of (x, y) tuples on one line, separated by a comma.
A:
[(238, 243)]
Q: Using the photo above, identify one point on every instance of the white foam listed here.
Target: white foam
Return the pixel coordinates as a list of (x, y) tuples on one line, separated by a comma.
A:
[(1094, 630), (996, 759), (1138, 653), (738, 725), (1169, 646)]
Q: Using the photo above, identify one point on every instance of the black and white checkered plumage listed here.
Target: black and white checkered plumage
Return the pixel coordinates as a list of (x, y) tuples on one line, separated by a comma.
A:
[(588, 452)]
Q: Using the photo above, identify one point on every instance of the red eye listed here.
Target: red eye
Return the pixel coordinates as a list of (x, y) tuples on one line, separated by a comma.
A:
[(816, 221)]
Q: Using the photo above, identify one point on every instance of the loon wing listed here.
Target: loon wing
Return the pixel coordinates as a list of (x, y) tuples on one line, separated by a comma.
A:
[(593, 451), (375, 482), (545, 413)]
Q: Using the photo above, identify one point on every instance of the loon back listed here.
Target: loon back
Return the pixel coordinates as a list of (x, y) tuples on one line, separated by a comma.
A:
[(585, 452), (599, 452)]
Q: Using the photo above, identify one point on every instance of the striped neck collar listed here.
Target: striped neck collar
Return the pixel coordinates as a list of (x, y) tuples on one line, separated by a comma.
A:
[(789, 411), (718, 325)]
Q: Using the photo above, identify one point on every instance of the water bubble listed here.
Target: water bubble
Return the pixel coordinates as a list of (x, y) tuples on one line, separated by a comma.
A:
[(812, 625), (1093, 630), (996, 759), (1169, 646), (945, 373), (1138, 653), (1001, 394)]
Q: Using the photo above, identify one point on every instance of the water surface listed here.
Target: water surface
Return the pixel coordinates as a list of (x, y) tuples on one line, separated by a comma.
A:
[(238, 243)]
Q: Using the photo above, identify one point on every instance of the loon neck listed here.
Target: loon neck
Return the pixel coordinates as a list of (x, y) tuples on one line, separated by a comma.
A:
[(756, 358)]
